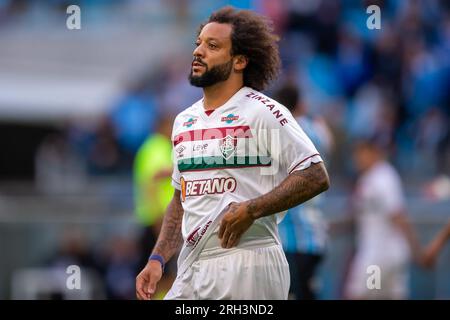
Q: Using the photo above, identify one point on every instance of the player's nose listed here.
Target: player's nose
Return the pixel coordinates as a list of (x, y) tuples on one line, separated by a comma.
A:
[(198, 51)]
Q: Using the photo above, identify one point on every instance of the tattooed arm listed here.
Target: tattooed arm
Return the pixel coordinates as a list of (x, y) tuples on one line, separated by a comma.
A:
[(169, 241), (170, 238), (298, 187)]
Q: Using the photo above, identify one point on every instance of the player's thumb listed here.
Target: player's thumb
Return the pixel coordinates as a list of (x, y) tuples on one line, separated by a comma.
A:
[(151, 286)]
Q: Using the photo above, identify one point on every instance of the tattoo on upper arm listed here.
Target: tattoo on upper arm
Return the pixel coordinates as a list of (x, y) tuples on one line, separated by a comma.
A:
[(298, 187)]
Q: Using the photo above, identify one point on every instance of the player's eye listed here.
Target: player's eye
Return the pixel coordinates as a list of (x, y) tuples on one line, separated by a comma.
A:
[(212, 46)]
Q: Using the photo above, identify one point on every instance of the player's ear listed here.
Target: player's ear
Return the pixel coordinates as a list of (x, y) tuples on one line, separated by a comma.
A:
[(240, 62)]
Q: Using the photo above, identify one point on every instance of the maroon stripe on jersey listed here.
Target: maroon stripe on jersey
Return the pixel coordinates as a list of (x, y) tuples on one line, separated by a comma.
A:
[(316, 154), (230, 167), (213, 133)]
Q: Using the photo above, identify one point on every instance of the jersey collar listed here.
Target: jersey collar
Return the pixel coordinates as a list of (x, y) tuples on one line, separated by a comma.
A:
[(222, 108)]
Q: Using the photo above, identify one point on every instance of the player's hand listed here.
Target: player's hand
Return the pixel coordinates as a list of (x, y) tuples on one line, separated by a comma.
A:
[(234, 223), (146, 280)]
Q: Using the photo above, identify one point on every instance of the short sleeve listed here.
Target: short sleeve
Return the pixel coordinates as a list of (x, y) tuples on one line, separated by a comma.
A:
[(391, 193), (290, 144)]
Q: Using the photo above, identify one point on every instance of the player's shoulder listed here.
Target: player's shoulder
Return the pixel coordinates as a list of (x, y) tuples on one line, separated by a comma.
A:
[(262, 108), (390, 172), (385, 175), (187, 114)]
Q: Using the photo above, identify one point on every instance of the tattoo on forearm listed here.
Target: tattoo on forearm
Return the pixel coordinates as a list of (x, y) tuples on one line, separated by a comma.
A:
[(298, 187), (170, 238)]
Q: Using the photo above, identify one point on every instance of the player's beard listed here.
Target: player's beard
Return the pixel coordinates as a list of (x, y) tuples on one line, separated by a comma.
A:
[(212, 76)]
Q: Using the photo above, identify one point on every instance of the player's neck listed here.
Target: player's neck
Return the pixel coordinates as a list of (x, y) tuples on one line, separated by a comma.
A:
[(218, 94), (374, 163)]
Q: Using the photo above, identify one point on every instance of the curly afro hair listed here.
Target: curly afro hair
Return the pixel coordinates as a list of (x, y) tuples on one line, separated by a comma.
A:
[(252, 36)]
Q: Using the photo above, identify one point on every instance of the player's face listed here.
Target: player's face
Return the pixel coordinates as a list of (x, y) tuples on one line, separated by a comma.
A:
[(363, 158), (212, 61)]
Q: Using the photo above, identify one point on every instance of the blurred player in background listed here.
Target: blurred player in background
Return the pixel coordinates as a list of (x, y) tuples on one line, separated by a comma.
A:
[(303, 230), (226, 206), (384, 235), (152, 183)]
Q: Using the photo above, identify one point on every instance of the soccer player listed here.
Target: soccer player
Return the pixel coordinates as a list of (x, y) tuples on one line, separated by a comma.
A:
[(240, 161), (303, 231), (385, 239)]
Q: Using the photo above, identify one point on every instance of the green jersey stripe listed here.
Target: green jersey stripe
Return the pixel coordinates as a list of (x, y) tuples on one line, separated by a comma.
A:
[(218, 162)]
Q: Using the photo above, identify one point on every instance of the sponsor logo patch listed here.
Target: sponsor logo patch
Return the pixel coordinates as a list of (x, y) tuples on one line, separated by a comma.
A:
[(202, 147), (190, 188), (180, 150), (190, 122), (229, 118)]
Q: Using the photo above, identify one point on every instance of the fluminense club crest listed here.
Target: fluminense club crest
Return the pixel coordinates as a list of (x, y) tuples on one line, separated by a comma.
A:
[(228, 146)]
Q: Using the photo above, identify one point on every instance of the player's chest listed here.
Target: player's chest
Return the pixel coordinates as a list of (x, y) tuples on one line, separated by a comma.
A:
[(222, 135)]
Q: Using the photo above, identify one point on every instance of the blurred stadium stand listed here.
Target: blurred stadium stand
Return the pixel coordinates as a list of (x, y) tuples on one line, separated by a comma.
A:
[(32, 228), (74, 106), (46, 284)]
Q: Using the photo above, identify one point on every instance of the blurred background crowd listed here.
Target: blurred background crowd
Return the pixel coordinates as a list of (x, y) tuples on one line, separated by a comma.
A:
[(76, 106)]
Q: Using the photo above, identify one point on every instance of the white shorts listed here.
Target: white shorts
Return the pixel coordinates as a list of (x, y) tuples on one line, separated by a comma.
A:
[(393, 280), (240, 274)]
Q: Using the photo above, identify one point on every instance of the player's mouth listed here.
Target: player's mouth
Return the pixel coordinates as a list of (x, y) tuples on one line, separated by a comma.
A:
[(197, 65)]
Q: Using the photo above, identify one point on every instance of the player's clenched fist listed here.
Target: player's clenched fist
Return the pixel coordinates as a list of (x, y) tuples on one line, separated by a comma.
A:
[(234, 223), (146, 280)]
